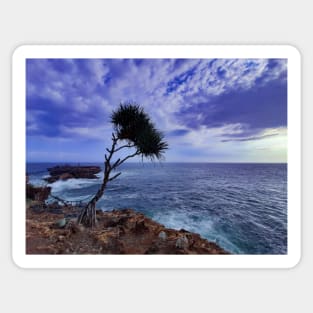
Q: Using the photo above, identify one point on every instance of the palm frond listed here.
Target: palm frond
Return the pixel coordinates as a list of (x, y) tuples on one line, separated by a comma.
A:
[(132, 124), (150, 143), (129, 120)]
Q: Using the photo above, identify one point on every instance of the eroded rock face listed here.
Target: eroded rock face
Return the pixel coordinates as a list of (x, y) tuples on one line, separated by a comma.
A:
[(66, 172), (117, 232)]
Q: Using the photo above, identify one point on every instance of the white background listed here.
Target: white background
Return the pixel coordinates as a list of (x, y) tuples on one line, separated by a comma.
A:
[(264, 22)]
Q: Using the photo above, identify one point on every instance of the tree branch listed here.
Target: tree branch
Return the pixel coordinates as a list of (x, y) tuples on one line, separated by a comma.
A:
[(112, 150), (122, 147), (128, 157), (115, 164), (115, 176)]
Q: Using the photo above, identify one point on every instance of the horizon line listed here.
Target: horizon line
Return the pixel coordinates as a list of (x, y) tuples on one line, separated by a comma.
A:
[(153, 162)]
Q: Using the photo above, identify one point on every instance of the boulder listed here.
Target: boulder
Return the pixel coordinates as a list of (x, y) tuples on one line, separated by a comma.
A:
[(182, 242), (60, 223), (162, 235)]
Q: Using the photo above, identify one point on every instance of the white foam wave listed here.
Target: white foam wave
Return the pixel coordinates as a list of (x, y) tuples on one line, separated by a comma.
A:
[(73, 183), (204, 227), (178, 220), (37, 181)]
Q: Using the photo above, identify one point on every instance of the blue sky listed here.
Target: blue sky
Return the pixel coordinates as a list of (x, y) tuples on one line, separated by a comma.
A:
[(210, 110)]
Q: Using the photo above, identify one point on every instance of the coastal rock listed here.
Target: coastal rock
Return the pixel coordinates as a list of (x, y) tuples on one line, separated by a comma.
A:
[(66, 176), (67, 171), (140, 226), (60, 223), (37, 193), (122, 231), (182, 243), (162, 235)]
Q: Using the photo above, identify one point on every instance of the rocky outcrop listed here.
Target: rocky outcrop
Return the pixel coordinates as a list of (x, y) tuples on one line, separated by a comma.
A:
[(117, 232), (67, 171), (37, 193)]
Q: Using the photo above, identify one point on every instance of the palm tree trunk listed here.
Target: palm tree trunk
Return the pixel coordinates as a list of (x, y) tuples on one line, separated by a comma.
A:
[(87, 216)]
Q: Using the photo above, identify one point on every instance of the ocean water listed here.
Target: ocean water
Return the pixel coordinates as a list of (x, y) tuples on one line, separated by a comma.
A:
[(242, 207)]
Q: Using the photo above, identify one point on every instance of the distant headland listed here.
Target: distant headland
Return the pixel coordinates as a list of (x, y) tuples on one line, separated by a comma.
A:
[(64, 172)]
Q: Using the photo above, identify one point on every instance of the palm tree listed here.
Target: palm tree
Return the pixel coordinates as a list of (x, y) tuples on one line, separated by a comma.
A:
[(132, 129)]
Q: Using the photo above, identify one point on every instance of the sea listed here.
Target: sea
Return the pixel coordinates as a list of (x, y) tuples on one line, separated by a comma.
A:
[(240, 206)]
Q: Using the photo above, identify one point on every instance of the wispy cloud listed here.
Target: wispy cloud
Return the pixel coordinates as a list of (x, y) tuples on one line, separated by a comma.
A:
[(249, 138), (193, 101), (245, 133)]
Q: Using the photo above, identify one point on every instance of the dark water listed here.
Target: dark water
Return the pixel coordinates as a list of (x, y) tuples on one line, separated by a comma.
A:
[(243, 207)]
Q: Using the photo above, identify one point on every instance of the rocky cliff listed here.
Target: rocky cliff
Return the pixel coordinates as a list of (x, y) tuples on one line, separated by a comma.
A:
[(52, 229)]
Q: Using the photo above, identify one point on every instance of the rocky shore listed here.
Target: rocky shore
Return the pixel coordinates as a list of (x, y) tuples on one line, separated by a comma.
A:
[(52, 229), (67, 171)]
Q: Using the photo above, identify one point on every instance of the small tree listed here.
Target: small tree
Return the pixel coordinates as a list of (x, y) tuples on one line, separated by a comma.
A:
[(132, 129)]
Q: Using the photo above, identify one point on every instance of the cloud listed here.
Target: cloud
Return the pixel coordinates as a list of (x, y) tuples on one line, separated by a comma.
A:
[(192, 101), (249, 138), (99, 132), (178, 132), (259, 107)]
